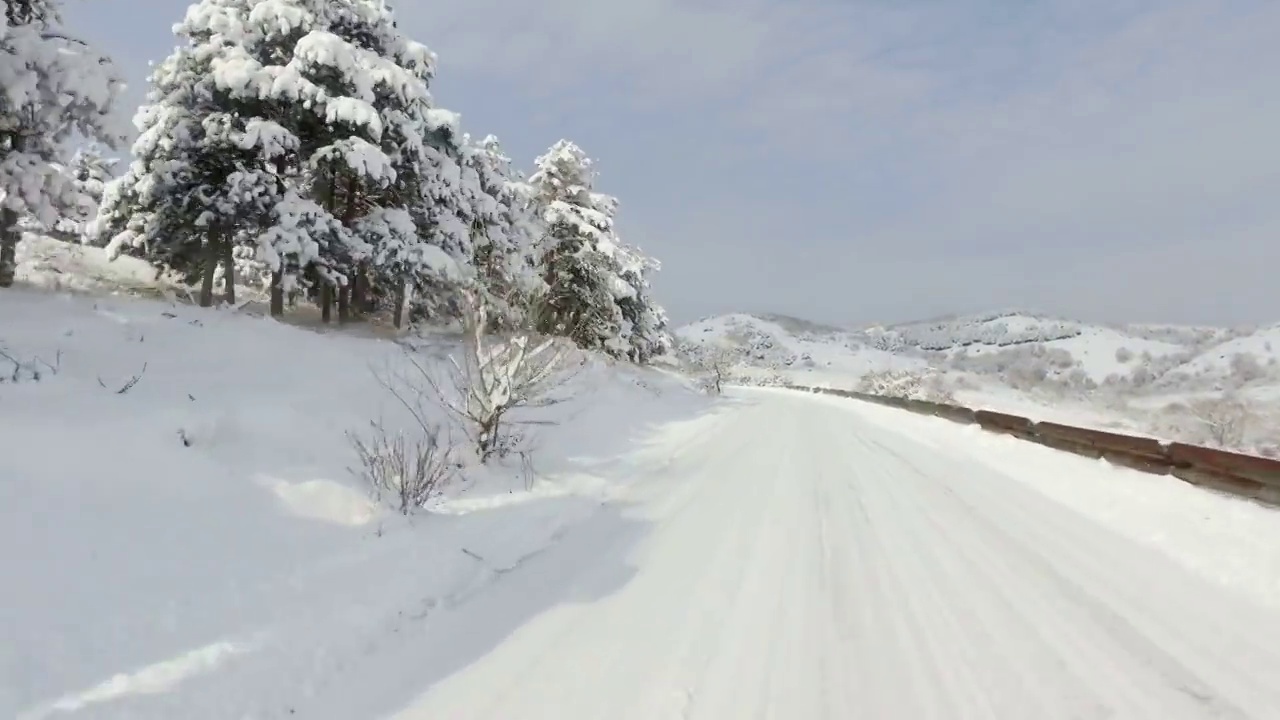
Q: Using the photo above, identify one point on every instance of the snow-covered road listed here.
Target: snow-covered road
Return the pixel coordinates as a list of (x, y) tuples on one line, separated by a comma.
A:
[(806, 557)]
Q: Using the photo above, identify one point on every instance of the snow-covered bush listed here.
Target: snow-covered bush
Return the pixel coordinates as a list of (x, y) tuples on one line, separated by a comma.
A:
[(1024, 367), (1245, 368), (495, 375), (995, 329), (929, 385), (1226, 419), (1223, 421), (1123, 355)]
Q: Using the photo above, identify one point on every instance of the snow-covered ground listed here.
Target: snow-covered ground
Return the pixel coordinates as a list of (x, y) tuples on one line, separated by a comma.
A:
[(195, 545), (61, 266), (813, 557), (181, 536)]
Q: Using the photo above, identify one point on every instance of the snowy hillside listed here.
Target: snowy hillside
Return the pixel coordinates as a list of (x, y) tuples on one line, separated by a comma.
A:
[(180, 528), (1153, 379), (792, 349)]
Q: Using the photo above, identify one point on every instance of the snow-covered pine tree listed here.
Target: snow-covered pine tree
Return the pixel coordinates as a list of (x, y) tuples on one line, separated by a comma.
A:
[(446, 210), (374, 154), (644, 329), (212, 168), (51, 87), (330, 114), (581, 277), (88, 172), (503, 237)]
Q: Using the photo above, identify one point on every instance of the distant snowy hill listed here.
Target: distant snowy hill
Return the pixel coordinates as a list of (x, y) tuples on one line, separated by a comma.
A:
[(1145, 378), (795, 349), (982, 344)]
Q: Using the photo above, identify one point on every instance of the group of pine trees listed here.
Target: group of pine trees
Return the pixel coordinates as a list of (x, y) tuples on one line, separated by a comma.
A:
[(296, 143)]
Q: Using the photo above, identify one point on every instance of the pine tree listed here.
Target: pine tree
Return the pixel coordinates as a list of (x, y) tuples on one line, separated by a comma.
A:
[(89, 172), (374, 154), (298, 129), (53, 86), (503, 235), (448, 204), (211, 167), (573, 259), (645, 322)]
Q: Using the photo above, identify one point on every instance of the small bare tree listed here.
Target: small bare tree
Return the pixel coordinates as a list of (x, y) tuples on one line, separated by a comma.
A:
[(410, 472), (497, 374), (1225, 418), (717, 363)]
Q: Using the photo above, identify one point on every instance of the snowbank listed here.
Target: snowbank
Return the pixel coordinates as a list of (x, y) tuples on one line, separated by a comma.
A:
[(179, 528)]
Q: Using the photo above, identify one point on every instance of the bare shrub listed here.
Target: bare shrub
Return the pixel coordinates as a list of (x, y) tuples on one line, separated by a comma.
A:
[(1246, 368), (1226, 419), (928, 385), (495, 375), (409, 472), (1123, 355), (716, 363)]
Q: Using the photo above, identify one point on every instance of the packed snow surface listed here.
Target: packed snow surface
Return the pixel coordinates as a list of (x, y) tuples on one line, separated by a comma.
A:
[(768, 554), (808, 557)]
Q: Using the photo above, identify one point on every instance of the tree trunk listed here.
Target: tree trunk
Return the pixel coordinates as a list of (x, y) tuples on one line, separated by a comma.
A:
[(277, 294), (348, 218), (401, 296), (358, 282), (212, 246), (326, 303), (344, 303), (10, 234), (229, 271)]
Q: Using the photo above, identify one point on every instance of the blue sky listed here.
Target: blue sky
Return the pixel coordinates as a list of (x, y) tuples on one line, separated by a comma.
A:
[(859, 161)]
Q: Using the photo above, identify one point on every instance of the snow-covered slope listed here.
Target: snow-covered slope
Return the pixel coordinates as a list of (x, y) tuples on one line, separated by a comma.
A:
[(179, 527), (987, 344), (1136, 378), (793, 349)]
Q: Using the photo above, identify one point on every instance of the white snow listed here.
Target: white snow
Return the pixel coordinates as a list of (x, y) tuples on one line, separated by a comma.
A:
[(55, 265), (1263, 344), (813, 356), (194, 547), (810, 557), (1095, 350), (249, 572), (1136, 378)]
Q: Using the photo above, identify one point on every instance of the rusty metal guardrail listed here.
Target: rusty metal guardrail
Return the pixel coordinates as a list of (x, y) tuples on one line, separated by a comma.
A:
[(1248, 476)]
